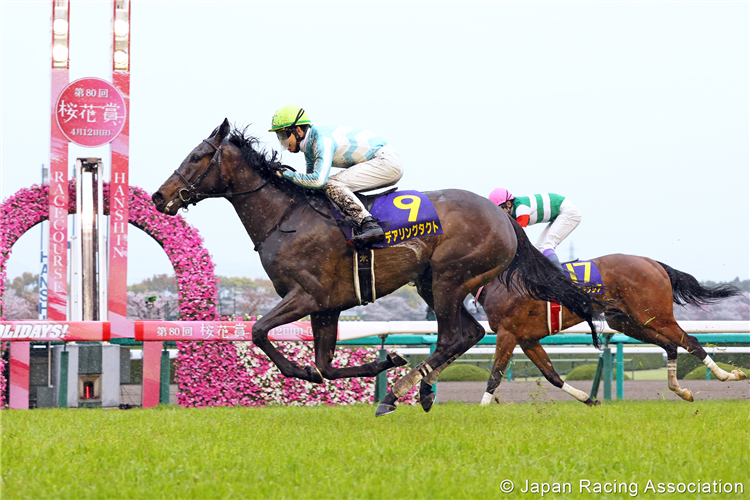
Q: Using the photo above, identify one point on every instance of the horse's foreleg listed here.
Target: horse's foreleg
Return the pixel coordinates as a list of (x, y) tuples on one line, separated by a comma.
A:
[(504, 346), (325, 331), (536, 353), (291, 308)]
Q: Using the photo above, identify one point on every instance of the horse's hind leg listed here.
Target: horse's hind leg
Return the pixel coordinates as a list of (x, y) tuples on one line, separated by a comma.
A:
[(325, 330), (471, 336), (504, 346), (691, 345), (538, 356), (663, 337), (427, 395), (445, 352)]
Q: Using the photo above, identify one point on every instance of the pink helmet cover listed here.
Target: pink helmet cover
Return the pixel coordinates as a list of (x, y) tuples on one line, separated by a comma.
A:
[(498, 196)]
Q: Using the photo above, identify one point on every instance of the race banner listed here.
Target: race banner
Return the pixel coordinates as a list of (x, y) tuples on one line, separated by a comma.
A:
[(54, 331), (216, 330)]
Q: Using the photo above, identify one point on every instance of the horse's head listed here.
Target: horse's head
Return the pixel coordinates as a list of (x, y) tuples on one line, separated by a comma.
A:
[(200, 173)]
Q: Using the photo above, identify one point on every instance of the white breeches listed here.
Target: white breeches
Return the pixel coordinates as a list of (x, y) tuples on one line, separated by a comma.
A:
[(560, 228), (383, 169)]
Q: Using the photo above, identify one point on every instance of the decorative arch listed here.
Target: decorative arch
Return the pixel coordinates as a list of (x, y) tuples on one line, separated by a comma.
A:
[(194, 270)]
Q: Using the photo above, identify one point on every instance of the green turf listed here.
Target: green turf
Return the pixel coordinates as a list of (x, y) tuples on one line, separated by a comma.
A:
[(455, 451)]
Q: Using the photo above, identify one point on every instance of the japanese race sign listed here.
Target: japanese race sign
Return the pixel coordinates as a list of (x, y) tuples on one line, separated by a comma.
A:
[(90, 112), (217, 330)]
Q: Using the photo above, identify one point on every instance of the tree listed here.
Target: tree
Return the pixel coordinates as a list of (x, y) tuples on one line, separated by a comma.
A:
[(21, 298), (158, 284), (731, 309), (165, 307), (20, 306)]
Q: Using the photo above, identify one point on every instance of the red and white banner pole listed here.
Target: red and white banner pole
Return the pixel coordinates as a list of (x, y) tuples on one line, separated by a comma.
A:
[(120, 179), (57, 293)]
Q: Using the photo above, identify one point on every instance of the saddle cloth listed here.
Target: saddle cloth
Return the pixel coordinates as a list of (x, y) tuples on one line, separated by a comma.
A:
[(404, 215), (586, 274)]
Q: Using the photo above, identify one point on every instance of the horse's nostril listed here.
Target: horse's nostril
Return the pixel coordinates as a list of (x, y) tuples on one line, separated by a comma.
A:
[(157, 198)]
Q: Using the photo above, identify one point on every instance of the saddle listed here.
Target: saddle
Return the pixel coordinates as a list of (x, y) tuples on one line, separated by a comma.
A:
[(403, 215), (321, 204)]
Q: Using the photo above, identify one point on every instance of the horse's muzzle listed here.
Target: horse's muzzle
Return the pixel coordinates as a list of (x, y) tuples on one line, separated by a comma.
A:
[(160, 202)]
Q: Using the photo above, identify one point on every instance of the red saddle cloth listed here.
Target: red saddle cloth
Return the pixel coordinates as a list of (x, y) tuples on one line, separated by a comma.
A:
[(554, 317)]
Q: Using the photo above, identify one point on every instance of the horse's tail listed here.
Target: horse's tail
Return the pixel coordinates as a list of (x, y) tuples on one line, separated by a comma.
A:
[(687, 290), (534, 275)]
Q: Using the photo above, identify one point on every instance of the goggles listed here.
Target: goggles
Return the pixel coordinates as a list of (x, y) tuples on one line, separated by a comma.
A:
[(283, 137)]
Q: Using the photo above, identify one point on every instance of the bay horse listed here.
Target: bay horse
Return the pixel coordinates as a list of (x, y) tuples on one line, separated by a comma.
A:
[(640, 293), (306, 256)]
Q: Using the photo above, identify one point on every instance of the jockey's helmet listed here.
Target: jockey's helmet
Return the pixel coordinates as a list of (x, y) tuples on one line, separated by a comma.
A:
[(289, 116), (498, 196)]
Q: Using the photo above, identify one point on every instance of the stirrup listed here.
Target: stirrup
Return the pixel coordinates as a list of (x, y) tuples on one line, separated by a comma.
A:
[(367, 233)]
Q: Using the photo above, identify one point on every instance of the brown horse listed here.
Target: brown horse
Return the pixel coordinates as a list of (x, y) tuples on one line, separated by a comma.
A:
[(639, 292), (306, 257)]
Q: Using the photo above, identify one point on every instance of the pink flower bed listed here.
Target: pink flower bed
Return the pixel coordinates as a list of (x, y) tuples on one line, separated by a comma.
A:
[(239, 373), (208, 373)]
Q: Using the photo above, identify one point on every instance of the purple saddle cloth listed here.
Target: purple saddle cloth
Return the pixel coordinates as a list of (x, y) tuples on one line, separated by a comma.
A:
[(404, 215), (585, 273)]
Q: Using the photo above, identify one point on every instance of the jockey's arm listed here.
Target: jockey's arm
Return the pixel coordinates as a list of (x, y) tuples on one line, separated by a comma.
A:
[(522, 213), (318, 167)]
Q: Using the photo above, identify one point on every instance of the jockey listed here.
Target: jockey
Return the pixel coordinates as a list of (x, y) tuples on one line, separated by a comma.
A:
[(368, 163), (559, 211)]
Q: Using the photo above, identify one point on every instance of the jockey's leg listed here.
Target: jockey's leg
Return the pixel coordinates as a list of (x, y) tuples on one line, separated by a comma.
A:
[(383, 169), (558, 230)]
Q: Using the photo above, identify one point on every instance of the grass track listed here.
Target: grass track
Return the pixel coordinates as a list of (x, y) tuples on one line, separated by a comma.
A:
[(455, 451)]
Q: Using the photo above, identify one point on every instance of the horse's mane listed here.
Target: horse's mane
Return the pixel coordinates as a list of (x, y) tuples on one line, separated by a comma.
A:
[(262, 161), (253, 154)]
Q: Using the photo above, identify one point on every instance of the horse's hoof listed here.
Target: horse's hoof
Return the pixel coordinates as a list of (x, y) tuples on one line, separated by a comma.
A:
[(384, 409), (739, 375), (591, 402), (314, 375), (687, 395), (396, 359), (428, 401)]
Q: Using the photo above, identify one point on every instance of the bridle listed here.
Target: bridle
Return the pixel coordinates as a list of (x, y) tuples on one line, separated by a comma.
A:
[(188, 194)]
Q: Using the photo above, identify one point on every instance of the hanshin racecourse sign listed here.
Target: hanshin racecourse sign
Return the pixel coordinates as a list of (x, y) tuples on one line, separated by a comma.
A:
[(90, 112)]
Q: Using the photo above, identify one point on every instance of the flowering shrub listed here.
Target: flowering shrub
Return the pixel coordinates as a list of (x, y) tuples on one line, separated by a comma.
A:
[(192, 264), (239, 373), (208, 373)]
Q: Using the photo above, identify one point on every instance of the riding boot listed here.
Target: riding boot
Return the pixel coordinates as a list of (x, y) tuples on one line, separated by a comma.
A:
[(366, 230), (552, 256)]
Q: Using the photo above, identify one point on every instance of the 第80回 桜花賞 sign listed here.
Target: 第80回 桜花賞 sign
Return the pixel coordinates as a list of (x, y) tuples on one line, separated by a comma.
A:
[(90, 112)]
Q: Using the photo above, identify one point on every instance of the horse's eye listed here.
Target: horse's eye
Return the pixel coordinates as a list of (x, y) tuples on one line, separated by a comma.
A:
[(194, 159)]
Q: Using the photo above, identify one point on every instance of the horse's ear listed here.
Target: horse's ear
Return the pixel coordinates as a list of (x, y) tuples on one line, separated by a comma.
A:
[(224, 129)]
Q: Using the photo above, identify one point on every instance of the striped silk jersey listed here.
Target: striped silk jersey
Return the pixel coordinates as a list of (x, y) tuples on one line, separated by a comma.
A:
[(529, 210), (327, 147)]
